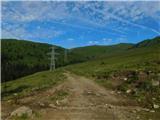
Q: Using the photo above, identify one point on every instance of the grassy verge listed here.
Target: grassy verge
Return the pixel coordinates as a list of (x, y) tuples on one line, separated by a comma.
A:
[(28, 84), (59, 95), (133, 73)]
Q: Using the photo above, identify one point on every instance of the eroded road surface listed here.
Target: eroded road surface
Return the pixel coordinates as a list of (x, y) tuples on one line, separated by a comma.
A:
[(83, 99), (89, 101)]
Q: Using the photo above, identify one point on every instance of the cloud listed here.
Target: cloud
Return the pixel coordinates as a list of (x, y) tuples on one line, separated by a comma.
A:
[(106, 17), (19, 31), (93, 42), (107, 40), (28, 11)]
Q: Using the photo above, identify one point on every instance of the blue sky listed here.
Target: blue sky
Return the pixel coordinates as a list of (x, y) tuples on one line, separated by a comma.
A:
[(81, 23)]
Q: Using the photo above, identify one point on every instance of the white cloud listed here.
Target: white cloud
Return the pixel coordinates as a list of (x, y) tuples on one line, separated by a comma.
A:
[(20, 32), (107, 40), (106, 17), (93, 42)]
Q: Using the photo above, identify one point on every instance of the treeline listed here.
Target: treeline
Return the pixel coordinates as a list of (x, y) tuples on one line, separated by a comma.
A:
[(20, 58)]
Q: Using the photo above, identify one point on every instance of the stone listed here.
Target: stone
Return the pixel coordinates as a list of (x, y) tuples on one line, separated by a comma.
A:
[(146, 109), (125, 79), (139, 100), (155, 106), (89, 92), (134, 111), (109, 106), (98, 94), (155, 83), (138, 109), (57, 102), (152, 111), (41, 104), (137, 117), (22, 111), (153, 98), (52, 106), (112, 92), (128, 91), (15, 94)]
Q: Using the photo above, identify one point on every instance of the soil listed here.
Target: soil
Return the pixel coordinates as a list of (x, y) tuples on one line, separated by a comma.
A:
[(85, 100)]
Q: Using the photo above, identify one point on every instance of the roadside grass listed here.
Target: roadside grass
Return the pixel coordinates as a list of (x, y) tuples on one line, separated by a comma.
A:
[(140, 59), (139, 66), (35, 116), (59, 95), (23, 117), (26, 85), (149, 115)]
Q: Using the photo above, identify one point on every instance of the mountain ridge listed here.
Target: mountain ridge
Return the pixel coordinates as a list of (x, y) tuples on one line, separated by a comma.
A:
[(21, 57)]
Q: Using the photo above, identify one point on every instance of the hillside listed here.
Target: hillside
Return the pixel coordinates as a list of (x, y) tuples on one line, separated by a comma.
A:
[(94, 52), (82, 54), (148, 43), (20, 58), (132, 72), (125, 83)]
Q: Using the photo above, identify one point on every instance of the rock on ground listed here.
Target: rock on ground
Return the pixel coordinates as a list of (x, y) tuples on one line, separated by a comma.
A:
[(21, 111)]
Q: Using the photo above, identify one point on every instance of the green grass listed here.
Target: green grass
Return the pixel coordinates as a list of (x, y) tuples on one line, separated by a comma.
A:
[(109, 72), (23, 117), (59, 95), (37, 81), (133, 59)]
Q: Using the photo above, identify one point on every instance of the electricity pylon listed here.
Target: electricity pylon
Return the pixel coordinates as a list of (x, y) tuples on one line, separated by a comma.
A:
[(52, 59)]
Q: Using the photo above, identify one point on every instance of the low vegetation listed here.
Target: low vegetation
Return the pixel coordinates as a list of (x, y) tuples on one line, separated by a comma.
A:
[(59, 95), (135, 72), (21, 58), (28, 84)]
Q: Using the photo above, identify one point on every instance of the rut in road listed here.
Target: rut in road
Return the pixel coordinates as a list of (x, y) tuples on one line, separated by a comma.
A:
[(89, 101)]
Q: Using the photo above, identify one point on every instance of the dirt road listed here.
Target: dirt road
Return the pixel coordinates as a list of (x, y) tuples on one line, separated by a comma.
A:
[(79, 98), (89, 101)]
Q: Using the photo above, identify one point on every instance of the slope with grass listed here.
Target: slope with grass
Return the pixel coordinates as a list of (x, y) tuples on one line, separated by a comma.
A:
[(132, 72), (87, 53), (21, 58), (35, 82)]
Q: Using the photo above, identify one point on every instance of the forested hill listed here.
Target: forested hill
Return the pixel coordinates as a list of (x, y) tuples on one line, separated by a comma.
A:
[(20, 58)]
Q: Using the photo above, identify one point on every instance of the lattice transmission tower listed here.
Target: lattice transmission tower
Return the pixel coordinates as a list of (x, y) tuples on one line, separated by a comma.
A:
[(52, 59)]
